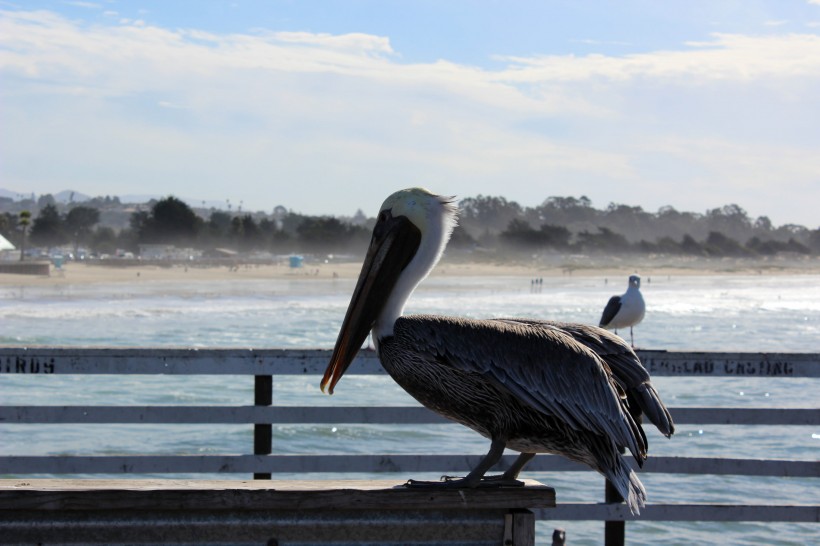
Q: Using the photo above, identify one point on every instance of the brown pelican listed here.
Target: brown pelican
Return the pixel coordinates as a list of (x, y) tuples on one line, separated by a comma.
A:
[(625, 310), (531, 386)]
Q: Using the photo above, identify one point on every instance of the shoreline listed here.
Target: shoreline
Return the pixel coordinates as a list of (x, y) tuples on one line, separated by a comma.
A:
[(74, 273)]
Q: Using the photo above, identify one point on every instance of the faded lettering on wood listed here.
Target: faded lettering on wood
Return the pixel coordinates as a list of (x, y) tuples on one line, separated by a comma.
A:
[(762, 368), (27, 365), (67, 360)]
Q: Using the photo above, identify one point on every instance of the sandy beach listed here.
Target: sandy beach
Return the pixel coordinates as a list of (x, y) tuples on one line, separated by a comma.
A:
[(89, 273)]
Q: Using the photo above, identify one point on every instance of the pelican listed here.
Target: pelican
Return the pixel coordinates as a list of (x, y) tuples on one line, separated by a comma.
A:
[(527, 385), (625, 310)]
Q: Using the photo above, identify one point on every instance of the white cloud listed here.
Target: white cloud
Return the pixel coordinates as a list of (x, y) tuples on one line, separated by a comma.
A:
[(169, 104), (78, 4), (725, 57), (355, 42), (253, 116)]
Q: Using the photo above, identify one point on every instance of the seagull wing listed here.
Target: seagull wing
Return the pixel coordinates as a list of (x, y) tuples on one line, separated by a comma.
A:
[(611, 309)]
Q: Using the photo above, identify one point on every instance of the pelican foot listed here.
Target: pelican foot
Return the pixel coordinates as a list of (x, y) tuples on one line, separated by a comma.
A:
[(451, 482), (502, 481), (446, 482)]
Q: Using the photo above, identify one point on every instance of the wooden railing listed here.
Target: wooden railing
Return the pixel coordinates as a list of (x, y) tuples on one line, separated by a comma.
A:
[(265, 365)]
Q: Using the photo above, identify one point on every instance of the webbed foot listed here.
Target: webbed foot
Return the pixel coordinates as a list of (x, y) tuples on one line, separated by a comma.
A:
[(451, 482)]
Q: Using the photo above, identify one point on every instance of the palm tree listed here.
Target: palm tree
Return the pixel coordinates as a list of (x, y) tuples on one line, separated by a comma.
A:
[(25, 220)]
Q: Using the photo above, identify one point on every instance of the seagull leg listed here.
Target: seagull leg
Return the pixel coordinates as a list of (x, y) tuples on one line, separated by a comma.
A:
[(631, 337), (476, 477)]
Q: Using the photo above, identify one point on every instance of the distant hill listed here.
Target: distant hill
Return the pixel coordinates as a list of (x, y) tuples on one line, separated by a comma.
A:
[(193, 203), (134, 198), (11, 194), (71, 196), (65, 196)]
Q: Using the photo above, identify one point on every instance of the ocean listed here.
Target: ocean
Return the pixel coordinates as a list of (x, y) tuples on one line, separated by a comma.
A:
[(778, 313)]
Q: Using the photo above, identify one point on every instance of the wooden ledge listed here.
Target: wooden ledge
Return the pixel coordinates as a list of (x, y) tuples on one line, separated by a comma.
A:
[(57, 494)]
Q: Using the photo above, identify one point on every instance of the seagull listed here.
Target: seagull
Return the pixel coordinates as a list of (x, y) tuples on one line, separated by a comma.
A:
[(528, 385), (625, 310)]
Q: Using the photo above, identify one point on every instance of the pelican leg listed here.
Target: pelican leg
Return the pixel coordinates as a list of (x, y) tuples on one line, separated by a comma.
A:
[(476, 477), (511, 475), (517, 466)]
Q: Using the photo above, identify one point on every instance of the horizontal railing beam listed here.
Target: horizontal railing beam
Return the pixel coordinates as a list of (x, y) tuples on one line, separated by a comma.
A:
[(348, 414), (407, 464), (745, 416), (72, 360), (46, 497), (158, 361), (682, 512), (67, 496)]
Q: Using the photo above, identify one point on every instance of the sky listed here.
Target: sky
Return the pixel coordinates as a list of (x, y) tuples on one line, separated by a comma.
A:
[(327, 107)]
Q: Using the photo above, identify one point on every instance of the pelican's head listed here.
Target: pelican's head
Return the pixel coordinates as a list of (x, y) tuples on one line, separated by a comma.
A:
[(433, 215), (412, 229), (635, 281)]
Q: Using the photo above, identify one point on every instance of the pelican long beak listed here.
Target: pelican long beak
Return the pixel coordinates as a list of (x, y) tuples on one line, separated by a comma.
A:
[(394, 243)]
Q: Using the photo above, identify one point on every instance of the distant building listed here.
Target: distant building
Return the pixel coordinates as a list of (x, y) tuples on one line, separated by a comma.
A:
[(7, 250), (5, 244), (167, 252), (220, 253)]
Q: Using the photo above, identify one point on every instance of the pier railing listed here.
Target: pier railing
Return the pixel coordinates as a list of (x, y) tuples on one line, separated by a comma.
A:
[(265, 365)]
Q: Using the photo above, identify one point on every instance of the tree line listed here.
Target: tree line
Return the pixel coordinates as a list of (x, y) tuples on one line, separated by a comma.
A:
[(172, 221), (487, 223), (573, 224)]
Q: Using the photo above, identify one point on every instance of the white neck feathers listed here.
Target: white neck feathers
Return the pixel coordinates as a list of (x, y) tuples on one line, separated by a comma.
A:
[(436, 217)]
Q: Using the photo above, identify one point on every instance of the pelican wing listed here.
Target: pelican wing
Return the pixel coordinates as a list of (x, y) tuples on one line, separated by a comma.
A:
[(626, 367), (611, 309), (543, 367)]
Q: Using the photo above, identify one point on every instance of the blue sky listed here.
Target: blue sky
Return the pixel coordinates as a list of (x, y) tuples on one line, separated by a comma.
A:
[(327, 107)]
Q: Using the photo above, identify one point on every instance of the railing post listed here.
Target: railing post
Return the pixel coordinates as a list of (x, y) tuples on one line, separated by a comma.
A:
[(614, 531), (262, 432)]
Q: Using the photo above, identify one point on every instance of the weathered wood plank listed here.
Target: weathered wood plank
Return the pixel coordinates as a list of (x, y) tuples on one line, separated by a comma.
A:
[(729, 466), (683, 512), (349, 414), (54, 495), (219, 414), (71, 360), (745, 416), (730, 364), (521, 526), (404, 464), (259, 495), (333, 528), (44, 360)]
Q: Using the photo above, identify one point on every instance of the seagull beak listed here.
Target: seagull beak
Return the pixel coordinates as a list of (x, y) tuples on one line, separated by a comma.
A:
[(394, 243)]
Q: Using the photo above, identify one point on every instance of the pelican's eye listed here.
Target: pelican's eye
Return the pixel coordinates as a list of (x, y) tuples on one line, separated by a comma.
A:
[(381, 224)]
